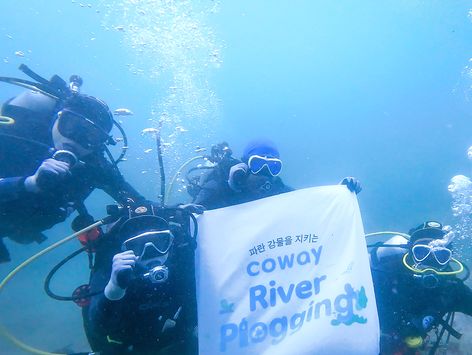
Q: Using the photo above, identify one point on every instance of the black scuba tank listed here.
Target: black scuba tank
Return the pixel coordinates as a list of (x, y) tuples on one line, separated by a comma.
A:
[(33, 114)]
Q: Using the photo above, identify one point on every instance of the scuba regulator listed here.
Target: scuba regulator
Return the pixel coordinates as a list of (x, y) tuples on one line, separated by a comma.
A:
[(149, 237)]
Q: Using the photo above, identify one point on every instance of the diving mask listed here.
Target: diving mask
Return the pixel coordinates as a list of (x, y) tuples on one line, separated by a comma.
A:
[(421, 252), (80, 129), (256, 163), (149, 244), (152, 249), (456, 268)]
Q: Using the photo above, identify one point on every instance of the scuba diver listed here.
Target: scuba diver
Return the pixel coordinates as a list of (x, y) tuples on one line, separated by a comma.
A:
[(211, 189), (53, 142), (144, 265), (418, 287), (255, 176)]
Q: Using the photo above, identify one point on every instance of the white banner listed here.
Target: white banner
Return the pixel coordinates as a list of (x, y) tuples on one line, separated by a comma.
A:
[(288, 274)]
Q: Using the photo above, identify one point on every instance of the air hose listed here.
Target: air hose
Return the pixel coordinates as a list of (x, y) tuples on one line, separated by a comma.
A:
[(124, 148), (42, 88), (381, 244), (387, 233), (174, 178), (3, 331), (160, 160), (47, 281)]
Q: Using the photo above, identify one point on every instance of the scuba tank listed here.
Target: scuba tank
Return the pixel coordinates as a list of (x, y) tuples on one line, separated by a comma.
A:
[(386, 256), (32, 112)]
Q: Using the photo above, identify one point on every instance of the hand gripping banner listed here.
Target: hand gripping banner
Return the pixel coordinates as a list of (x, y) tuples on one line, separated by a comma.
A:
[(288, 274)]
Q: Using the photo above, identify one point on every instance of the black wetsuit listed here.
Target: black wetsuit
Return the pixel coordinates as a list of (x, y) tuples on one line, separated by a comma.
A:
[(407, 308), (150, 318), (25, 215), (216, 193)]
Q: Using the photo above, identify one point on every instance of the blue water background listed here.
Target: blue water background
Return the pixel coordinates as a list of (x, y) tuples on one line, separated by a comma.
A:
[(374, 89)]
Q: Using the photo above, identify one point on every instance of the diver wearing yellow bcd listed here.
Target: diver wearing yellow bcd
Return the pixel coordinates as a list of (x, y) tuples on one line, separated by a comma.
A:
[(418, 286)]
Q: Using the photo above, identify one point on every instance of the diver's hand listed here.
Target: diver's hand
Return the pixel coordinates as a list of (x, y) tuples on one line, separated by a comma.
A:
[(352, 184), (122, 269), (237, 176), (48, 174), (193, 208)]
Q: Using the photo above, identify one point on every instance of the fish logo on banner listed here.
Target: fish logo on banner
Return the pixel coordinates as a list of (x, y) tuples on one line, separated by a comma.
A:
[(287, 274)]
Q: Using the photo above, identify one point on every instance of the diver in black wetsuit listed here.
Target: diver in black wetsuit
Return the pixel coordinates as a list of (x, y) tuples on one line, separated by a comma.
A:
[(418, 286), (52, 158), (255, 176), (145, 265), (234, 181)]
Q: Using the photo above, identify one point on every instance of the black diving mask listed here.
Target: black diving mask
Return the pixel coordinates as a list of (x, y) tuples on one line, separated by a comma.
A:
[(82, 130)]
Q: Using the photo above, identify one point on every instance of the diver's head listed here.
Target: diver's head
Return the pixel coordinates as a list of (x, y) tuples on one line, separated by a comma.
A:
[(429, 247), (83, 125), (151, 240), (429, 257), (220, 151), (262, 157)]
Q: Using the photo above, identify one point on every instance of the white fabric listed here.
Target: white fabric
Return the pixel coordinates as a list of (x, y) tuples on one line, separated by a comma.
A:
[(310, 297)]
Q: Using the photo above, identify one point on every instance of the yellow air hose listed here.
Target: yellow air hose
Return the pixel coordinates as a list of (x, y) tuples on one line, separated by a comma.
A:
[(3, 331)]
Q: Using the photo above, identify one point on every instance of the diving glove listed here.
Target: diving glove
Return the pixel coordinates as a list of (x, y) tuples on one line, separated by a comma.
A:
[(121, 274), (47, 175), (237, 176), (352, 184), (192, 208)]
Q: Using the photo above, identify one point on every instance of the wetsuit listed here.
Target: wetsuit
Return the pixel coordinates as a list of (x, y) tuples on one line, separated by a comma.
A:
[(23, 147), (407, 308), (152, 318), (216, 193)]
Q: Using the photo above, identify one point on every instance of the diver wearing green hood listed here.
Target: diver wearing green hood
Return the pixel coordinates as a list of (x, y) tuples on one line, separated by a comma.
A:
[(418, 286)]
